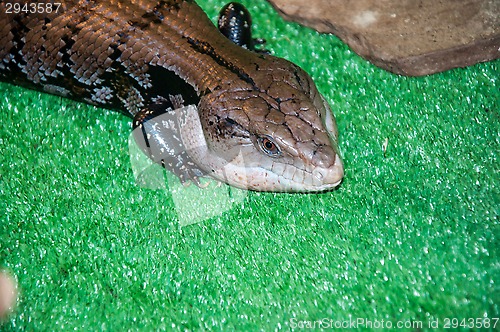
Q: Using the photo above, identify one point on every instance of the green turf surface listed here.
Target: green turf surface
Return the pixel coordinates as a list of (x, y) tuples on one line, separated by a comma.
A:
[(411, 235)]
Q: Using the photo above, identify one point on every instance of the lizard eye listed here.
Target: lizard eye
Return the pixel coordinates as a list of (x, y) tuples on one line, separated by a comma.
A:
[(268, 146)]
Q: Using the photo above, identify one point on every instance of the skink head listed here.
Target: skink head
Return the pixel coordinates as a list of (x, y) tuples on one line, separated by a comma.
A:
[(278, 135)]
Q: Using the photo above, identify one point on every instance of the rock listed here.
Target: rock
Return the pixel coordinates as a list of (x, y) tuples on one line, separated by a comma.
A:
[(408, 37)]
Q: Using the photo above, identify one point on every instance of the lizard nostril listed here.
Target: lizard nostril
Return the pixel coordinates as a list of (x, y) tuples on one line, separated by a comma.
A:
[(331, 175)]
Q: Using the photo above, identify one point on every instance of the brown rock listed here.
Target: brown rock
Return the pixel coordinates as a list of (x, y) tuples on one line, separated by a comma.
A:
[(408, 37)]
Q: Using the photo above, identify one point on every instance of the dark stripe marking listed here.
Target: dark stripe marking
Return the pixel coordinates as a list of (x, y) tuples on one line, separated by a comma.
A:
[(205, 48)]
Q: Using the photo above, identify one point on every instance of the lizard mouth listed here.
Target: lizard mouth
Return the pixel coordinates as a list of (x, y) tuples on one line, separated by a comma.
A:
[(258, 178)]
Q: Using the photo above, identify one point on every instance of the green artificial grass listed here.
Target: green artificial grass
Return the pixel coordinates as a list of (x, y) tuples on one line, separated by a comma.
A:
[(412, 234)]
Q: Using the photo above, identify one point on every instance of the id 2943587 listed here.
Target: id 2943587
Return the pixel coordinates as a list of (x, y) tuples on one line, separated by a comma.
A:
[(31, 7), (466, 323)]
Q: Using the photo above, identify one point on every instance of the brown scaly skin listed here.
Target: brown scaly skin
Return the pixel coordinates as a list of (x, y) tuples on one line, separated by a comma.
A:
[(261, 122)]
